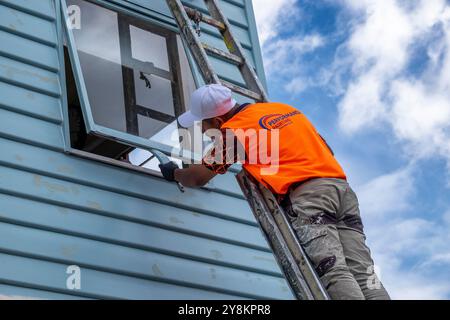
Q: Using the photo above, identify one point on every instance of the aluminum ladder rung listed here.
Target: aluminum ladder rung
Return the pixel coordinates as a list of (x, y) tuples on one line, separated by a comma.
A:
[(183, 14), (224, 55), (242, 91)]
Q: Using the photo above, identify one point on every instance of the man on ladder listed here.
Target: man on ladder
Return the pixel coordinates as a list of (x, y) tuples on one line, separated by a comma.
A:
[(308, 181)]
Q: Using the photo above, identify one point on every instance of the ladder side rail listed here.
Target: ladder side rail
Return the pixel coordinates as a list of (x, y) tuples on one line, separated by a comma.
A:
[(299, 254), (277, 243), (282, 239), (235, 47), (194, 44)]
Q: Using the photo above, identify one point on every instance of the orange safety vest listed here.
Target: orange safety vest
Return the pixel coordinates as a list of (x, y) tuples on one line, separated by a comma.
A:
[(303, 154)]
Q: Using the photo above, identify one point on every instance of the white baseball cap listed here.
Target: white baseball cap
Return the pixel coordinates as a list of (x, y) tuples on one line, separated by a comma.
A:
[(207, 102)]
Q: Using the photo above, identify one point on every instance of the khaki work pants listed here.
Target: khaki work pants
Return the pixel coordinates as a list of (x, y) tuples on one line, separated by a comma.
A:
[(325, 215)]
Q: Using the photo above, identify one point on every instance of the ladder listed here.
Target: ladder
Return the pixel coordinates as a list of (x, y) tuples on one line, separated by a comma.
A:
[(271, 218)]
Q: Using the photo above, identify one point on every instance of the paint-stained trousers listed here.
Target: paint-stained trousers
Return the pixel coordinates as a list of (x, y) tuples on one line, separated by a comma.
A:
[(325, 215)]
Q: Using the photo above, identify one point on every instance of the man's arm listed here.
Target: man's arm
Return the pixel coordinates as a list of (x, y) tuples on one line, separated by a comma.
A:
[(197, 175)]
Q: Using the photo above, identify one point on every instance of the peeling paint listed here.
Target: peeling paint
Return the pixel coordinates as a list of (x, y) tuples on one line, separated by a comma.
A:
[(157, 271), (12, 71), (213, 273), (64, 211), (94, 205), (18, 157), (175, 220), (64, 169), (216, 254), (52, 187), (75, 190), (263, 258), (68, 251), (14, 12)]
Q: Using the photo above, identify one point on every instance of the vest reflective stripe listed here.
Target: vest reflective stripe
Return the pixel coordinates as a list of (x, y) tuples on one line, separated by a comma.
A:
[(303, 154)]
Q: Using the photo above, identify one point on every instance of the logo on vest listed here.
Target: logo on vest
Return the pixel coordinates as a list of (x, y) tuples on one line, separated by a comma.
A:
[(277, 121)]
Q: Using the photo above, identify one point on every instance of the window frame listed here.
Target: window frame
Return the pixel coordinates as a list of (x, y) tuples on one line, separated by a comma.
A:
[(148, 21)]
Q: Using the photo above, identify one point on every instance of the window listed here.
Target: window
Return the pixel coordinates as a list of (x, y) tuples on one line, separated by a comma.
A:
[(127, 82)]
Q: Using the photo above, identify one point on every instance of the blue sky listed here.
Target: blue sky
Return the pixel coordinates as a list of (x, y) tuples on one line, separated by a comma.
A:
[(374, 77)]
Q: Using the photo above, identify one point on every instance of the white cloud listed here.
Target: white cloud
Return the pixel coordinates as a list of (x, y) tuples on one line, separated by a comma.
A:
[(387, 195), (382, 91), (270, 16), (396, 239), (417, 108), (394, 235), (389, 38), (283, 56)]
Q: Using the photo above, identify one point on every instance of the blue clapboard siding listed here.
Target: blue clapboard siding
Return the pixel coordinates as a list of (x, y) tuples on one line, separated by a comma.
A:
[(21, 293), (26, 23), (133, 235)]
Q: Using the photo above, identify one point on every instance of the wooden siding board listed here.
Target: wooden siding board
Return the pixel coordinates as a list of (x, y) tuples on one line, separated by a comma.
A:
[(227, 71), (91, 225), (241, 33), (256, 47), (41, 8), (227, 184), (214, 41), (36, 187), (9, 292), (127, 183), (25, 75), (30, 103), (30, 130), (134, 262), (45, 275), (28, 51), (235, 13), (22, 23)]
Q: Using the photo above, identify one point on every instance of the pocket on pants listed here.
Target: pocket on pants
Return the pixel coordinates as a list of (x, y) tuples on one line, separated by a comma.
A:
[(308, 233), (316, 243)]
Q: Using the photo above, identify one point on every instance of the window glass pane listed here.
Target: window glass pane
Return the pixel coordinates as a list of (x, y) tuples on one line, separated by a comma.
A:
[(98, 35), (104, 84), (158, 97), (148, 127), (168, 135), (149, 47)]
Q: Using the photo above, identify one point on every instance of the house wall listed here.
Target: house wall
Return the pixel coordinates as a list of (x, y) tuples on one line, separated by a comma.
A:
[(133, 235)]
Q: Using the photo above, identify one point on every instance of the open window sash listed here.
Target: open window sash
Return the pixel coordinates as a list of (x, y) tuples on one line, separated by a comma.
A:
[(131, 136)]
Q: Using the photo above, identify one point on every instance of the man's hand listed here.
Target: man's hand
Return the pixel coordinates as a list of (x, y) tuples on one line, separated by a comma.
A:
[(195, 176), (168, 170)]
